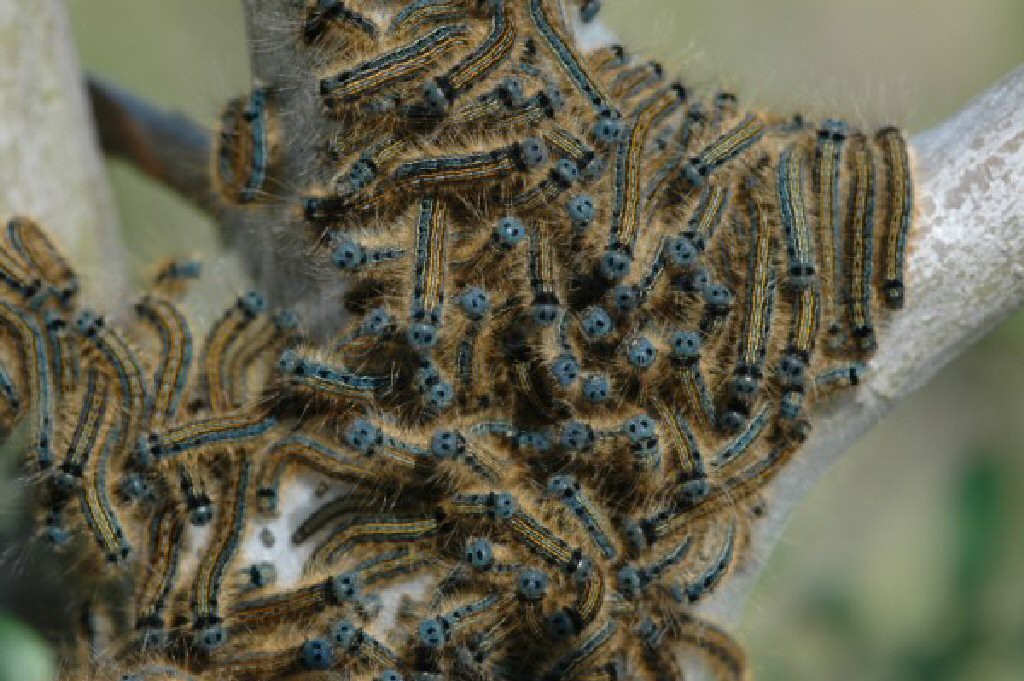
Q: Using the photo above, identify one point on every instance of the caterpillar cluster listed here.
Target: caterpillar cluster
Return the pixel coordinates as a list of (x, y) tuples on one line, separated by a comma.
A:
[(590, 314)]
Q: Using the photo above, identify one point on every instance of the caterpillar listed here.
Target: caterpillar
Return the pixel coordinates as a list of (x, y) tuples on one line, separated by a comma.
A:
[(565, 326)]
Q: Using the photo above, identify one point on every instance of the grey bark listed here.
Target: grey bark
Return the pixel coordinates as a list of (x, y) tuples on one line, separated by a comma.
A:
[(50, 169)]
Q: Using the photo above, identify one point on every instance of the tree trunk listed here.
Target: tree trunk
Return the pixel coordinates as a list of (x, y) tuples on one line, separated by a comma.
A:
[(50, 169)]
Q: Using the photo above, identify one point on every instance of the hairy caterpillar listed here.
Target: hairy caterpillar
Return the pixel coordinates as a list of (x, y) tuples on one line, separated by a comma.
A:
[(587, 317)]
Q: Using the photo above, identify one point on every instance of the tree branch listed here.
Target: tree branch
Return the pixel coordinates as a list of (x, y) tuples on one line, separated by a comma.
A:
[(50, 169), (965, 275), (168, 147)]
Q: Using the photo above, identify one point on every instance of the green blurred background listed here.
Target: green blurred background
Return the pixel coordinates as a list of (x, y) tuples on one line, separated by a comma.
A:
[(906, 562)]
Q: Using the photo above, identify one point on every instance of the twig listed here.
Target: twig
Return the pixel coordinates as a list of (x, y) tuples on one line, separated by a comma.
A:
[(166, 146)]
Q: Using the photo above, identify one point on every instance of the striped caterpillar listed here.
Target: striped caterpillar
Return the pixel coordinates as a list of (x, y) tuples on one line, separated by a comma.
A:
[(583, 331)]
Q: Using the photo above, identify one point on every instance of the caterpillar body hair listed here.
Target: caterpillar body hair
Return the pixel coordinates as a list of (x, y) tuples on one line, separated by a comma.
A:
[(37, 381), (170, 378), (224, 334), (326, 14), (477, 65), (164, 553), (899, 212), (569, 319), (575, 69), (724, 149), (65, 356), (403, 63), (707, 580), (627, 195), (124, 363), (312, 454), (385, 530), (207, 609), (185, 437), (42, 260), (89, 426), (799, 245), (98, 510), (419, 12), (830, 144), (862, 225), (245, 147)]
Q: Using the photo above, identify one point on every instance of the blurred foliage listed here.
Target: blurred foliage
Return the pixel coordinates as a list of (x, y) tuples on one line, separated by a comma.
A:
[(904, 563), (959, 640), (23, 655)]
